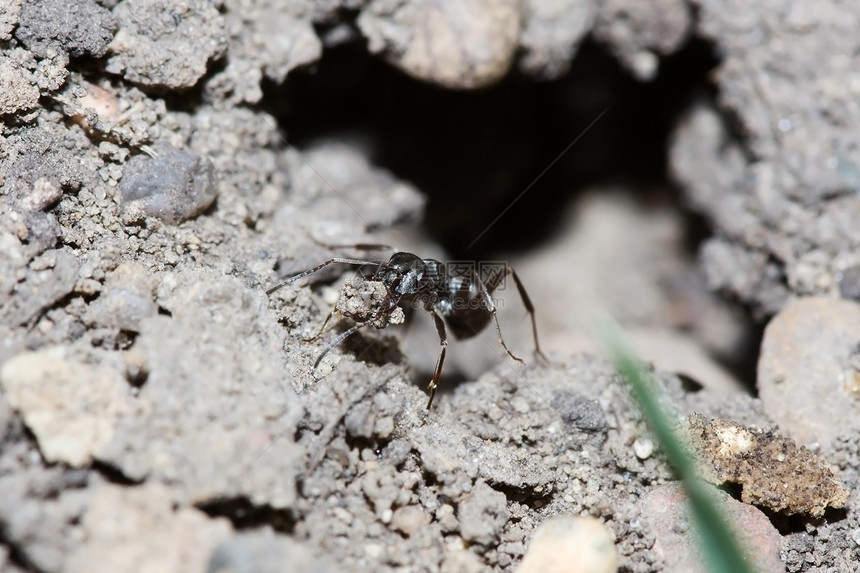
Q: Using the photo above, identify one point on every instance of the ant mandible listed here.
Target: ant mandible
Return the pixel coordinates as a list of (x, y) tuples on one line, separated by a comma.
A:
[(455, 293)]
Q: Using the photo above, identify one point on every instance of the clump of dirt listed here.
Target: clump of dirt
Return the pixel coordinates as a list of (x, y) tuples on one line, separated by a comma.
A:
[(773, 472)]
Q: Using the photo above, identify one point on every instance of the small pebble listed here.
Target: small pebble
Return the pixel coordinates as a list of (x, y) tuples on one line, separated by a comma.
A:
[(447, 519), (570, 544), (409, 519), (342, 515), (44, 195), (174, 186), (520, 405), (849, 283), (643, 448)]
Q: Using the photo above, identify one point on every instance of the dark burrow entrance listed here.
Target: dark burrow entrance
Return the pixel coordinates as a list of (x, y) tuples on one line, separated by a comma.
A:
[(482, 156)]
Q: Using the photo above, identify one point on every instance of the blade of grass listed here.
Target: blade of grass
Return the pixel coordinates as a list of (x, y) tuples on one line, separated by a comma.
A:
[(723, 553)]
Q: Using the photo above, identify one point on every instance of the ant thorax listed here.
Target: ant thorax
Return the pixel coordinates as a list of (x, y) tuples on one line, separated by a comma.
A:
[(363, 300)]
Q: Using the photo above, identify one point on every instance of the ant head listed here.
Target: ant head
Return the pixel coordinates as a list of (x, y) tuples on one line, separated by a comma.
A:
[(402, 273)]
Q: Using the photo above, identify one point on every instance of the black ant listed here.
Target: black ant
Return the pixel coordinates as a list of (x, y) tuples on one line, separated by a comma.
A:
[(453, 292)]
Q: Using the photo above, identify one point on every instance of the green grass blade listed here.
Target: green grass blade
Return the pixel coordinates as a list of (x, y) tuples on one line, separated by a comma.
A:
[(723, 553)]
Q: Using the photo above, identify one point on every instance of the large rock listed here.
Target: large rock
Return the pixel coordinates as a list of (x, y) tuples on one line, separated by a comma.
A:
[(667, 510), (454, 43), (809, 370)]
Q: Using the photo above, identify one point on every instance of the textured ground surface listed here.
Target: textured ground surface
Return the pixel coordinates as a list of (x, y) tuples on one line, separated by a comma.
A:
[(158, 410)]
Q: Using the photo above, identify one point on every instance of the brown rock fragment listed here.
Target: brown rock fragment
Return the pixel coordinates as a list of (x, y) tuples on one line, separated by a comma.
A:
[(774, 472)]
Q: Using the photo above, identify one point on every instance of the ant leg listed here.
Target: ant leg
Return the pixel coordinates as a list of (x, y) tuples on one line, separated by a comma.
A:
[(358, 246), (320, 267), (443, 343), (322, 329), (488, 302), (502, 340), (385, 307), (372, 247), (527, 302), (338, 339)]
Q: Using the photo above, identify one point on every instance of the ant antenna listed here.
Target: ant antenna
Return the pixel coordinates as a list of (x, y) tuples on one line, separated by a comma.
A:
[(319, 267)]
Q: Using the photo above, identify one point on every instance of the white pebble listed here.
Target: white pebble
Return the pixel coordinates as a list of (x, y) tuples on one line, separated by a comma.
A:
[(643, 448), (569, 544)]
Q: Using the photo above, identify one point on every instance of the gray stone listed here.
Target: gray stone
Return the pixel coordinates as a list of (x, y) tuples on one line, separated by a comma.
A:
[(166, 45), (174, 186), (79, 27)]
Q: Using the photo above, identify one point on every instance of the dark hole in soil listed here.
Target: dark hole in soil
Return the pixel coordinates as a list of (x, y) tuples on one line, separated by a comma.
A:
[(474, 152), (246, 515), (113, 474)]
